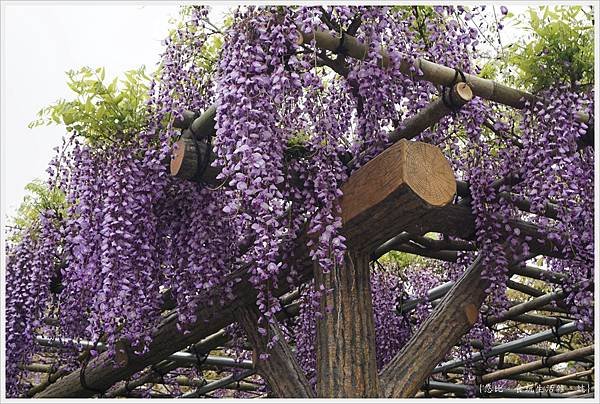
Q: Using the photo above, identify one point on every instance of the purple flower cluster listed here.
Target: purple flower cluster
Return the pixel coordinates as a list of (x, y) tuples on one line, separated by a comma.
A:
[(134, 236)]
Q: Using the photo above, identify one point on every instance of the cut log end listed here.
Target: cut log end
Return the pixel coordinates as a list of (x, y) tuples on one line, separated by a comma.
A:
[(464, 92), (428, 174), (471, 312), (184, 159), (403, 185)]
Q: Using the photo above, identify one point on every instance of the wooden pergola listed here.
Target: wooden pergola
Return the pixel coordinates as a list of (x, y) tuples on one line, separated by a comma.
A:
[(390, 203)]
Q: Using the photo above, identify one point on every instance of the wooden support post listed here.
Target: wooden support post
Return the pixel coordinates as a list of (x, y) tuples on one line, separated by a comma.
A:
[(345, 345), (456, 314), (281, 371), (346, 365), (398, 203)]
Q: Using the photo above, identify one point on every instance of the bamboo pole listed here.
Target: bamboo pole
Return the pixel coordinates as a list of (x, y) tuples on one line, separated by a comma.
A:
[(565, 378), (219, 384), (440, 290), (537, 303), (432, 72), (507, 347), (528, 367)]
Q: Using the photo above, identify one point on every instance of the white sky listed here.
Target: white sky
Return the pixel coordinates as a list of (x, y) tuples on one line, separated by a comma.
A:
[(42, 40)]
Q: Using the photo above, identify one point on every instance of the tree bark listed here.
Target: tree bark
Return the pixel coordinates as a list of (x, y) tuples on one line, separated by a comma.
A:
[(346, 364), (404, 375), (281, 370), (408, 189)]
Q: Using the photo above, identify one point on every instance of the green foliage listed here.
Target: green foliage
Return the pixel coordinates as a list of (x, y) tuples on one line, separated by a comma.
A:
[(399, 259), (211, 49), (560, 48), (100, 111), (40, 198)]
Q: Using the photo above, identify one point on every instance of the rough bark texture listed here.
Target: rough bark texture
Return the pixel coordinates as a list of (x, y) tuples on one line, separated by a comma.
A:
[(411, 178), (450, 320), (281, 371), (102, 373), (431, 114), (346, 365)]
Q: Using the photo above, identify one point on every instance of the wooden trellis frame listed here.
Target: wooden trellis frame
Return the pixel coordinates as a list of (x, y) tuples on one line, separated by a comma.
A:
[(452, 317)]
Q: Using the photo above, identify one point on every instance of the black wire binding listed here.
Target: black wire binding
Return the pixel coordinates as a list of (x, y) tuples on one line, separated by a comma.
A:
[(447, 98), (426, 387), (555, 327), (545, 361), (340, 48), (199, 362), (160, 374), (203, 158), (127, 388), (84, 383)]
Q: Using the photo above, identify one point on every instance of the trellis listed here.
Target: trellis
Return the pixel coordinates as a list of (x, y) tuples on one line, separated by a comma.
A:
[(389, 204)]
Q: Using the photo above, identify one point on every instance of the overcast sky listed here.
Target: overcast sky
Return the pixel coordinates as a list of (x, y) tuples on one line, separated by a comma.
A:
[(42, 40)]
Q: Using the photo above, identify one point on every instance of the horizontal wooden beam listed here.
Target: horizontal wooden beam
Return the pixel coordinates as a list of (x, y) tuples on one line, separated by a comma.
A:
[(429, 71)]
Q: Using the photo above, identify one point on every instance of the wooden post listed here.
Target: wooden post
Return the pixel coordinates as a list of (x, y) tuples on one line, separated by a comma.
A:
[(417, 178), (404, 375), (346, 363), (391, 206), (281, 371)]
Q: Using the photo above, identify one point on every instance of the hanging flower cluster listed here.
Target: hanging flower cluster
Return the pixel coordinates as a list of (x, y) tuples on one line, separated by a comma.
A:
[(292, 123)]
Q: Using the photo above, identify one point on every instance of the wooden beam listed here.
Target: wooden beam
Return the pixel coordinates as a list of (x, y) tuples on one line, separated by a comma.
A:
[(410, 128), (345, 344), (412, 175), (102, 372), (281, 370)]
